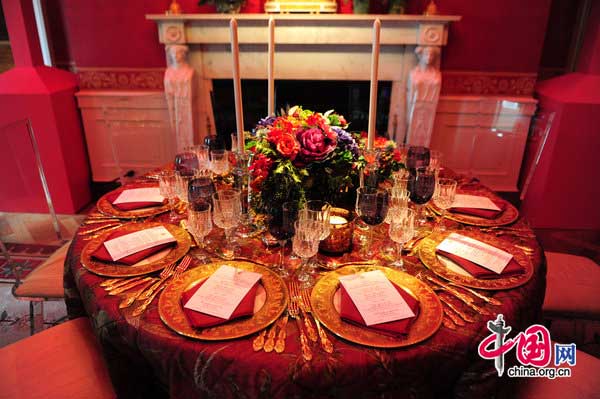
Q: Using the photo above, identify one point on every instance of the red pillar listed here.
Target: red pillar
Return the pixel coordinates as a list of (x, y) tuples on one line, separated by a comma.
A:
[(45, 96)]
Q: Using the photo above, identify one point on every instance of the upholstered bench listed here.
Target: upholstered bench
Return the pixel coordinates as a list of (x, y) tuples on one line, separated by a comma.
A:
[(61, 362)]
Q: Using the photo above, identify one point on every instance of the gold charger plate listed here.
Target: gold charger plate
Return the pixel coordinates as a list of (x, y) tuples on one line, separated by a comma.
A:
[(171, 310), (427, 323), (150, 264), (508, 216), (105, 207), (446, 269)]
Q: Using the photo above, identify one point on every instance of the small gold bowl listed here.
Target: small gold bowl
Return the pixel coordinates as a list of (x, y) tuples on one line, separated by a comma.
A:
[(340, 238)]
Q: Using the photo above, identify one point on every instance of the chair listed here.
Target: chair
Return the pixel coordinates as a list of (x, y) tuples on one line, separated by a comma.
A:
[(572, 287), (45, 283), (538, 135), (61, 362), (583, 383)]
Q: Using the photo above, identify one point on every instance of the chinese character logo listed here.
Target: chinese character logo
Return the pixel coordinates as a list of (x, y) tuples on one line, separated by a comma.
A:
[(564, 354)]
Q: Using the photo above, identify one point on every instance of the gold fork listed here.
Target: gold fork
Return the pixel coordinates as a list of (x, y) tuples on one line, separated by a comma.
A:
[(305, 303), (183, 265), (293, 312), (310, 330), (166, 273)]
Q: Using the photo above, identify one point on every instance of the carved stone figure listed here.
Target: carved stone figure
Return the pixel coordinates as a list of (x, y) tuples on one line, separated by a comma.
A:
[(179, 91), (424, 83)]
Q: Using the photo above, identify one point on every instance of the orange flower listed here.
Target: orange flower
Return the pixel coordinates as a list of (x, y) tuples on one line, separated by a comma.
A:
[(288, 146)]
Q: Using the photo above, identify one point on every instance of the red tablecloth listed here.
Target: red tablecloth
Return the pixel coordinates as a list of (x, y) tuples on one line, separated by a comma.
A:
[(147, 359)]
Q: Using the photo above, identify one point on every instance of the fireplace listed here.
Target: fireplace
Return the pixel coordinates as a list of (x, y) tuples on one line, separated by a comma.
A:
[(349, 98)]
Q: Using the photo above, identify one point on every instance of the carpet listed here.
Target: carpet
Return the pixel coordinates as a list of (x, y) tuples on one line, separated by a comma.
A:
[(25, 258)]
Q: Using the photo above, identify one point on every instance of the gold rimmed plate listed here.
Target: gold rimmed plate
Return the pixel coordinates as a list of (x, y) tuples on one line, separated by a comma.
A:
[(267, 308), (448, 270), (151, 264), (106, 207), (508, 216), (426, 324)]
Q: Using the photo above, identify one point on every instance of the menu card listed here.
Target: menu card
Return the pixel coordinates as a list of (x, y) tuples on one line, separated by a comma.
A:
[(146, 194), (132, 243), (222, 292), (376, 298), (474, 201), (483, 254)]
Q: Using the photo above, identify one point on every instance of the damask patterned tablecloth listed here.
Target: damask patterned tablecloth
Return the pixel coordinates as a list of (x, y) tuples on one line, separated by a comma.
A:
[(147, 359)]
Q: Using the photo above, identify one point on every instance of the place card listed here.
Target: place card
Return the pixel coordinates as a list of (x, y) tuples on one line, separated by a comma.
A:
[(222, 292), (146, 194), (376, 299), (474, 201), (483, 254), (132, 243)]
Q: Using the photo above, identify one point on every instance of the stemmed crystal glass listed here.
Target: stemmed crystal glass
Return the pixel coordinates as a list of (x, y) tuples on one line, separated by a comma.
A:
[(417, 157), (421, 185), (372, 207), (281, 226), (183, 179), (319, 213), (227, 209), (219, 162), (200, 188), (200, 223), (305, 244), (445, 194), (399, 198), (202, 153), (166, 184), (241, 182), (402, 229), (186, 162)]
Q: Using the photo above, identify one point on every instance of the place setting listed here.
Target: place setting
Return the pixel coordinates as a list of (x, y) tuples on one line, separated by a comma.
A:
[(133, 201), (475, 259)]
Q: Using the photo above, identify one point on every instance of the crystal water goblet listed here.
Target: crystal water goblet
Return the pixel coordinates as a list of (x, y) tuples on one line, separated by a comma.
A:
[(402, 229), (200, 224), (227, 209), (167, 182), (445, 193), (305, 244)]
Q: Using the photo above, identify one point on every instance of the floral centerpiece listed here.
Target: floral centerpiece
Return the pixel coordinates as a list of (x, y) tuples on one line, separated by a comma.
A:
[(307, 155)]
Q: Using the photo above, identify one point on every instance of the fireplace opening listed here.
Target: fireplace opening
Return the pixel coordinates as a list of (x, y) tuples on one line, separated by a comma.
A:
[(349, 98)]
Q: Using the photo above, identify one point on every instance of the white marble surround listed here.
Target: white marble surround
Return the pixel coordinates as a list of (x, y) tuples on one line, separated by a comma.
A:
[(309, 47)]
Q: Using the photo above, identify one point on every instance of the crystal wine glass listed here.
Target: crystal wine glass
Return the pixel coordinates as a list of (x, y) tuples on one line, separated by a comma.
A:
[(417, 157), (305, 244), (200, 223), (166, 185), (186, 162), (372, 207), (444, 197), (183, 179), (219, 162), (281, 226), (227, 209), (200, 188), (202, 153), (421, 185), (402, 229)]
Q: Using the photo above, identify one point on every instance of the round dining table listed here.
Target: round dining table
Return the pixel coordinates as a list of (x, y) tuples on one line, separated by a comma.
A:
[(147, 359)]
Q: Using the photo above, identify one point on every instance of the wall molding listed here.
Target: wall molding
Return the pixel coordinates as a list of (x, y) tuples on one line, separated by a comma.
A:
[(488, 83), (453, 82), (91, 78)]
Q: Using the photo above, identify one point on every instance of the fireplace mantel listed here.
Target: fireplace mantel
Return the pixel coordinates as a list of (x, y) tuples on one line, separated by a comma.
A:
[(308, 47)]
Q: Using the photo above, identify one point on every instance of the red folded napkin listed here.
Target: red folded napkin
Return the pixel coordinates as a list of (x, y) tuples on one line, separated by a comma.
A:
[(482, 213), (129, 206), (203, 320), (102, 254), (349, 312), (481, 272)]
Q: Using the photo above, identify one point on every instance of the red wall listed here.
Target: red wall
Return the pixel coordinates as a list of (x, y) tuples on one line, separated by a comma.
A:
[(494, 35)]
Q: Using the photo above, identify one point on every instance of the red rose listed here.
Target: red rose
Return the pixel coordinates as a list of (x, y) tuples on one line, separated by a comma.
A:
[(288, 146)]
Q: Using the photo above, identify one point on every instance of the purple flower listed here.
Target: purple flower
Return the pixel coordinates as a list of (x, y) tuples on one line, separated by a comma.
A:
[(266, 121), (346, 141), (315, 145)]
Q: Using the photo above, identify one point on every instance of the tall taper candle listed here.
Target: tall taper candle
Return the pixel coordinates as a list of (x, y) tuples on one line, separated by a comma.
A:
[(374, 78), (270, 69), (237, 84)]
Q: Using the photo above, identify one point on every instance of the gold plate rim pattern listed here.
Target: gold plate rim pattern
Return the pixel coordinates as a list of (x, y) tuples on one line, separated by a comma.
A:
[(428, 321), (171, 311), (508, 216), (114, 270), (431, 261), (105, 207)]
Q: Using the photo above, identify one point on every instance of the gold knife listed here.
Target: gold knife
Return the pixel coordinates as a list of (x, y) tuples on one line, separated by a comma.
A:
[(128, 286)]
